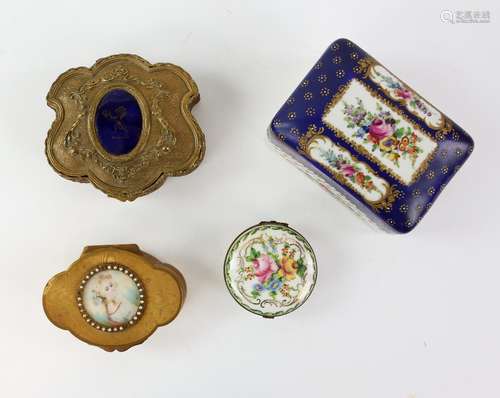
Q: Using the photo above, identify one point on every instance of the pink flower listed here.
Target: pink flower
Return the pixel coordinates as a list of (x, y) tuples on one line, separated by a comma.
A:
[(403, 93), (264, 267), (347, 169), (379, 129)]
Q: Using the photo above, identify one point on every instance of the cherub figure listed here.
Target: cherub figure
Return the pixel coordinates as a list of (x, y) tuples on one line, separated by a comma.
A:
[(117, 116)]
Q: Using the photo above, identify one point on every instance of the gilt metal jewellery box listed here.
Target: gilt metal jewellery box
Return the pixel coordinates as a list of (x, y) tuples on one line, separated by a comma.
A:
[(124, 125), (114, 296), (369, 139)]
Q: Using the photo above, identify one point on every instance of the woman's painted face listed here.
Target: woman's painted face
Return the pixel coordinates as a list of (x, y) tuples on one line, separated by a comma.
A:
[(106, 287)]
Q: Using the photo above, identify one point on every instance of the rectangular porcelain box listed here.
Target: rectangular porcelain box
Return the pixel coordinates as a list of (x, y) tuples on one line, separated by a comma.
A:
[(369, 138)]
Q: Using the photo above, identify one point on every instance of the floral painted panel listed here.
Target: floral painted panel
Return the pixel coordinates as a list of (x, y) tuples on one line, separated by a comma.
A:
[(377, 130), (357, 175), (270, 270), (400, 92)]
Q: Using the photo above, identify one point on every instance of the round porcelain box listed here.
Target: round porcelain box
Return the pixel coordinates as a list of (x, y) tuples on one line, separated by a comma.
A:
[(270, 269)]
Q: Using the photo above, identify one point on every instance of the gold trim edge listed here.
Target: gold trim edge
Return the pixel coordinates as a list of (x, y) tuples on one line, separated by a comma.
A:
[(365, 66), (385, 203)]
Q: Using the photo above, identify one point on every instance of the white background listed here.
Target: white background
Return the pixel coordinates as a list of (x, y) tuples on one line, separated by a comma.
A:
[(408, 316)]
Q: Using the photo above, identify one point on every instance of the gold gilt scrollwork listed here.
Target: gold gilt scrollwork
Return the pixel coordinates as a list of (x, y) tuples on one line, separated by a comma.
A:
[(391, 192), (170, 144), (364, 67)]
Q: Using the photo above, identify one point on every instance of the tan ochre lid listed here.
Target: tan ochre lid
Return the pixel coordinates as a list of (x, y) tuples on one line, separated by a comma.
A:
[(114, 297)]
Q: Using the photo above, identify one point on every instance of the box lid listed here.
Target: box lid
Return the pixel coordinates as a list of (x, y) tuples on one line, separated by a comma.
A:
[(124, 125), (114, 296), (359, 129), (270, 269)]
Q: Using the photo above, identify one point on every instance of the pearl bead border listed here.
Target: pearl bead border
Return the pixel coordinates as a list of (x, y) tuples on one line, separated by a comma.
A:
[(130, 274)]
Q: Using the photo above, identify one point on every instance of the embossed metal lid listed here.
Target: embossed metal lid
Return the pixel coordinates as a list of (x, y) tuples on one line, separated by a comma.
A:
[(114, 297), (124, 125), (270, 269)]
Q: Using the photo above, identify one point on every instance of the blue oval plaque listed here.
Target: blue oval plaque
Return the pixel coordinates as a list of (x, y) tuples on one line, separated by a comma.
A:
[(118, 122)]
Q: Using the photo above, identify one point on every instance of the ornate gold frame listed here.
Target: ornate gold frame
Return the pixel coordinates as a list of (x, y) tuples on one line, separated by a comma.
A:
[(385, 203), (163, 284), (146, 123), (171, 142), (364, 68)]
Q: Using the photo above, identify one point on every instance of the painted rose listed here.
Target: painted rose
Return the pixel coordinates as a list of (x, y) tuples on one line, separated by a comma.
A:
[(347, 169), (379, 129), (288, 268), (264, 267), (360, 178), (403, 93)]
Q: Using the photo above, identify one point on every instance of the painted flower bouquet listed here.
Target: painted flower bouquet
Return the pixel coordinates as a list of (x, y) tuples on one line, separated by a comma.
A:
[(381, 130), (404, 94), (274, 266), (349, 169)]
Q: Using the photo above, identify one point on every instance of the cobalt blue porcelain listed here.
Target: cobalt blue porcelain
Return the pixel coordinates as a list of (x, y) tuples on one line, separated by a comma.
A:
[(118, 122), (368, 138)]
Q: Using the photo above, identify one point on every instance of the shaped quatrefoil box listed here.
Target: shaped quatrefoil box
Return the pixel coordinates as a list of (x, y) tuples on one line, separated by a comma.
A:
[(124, 125), (369, 139), (114, 297)]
